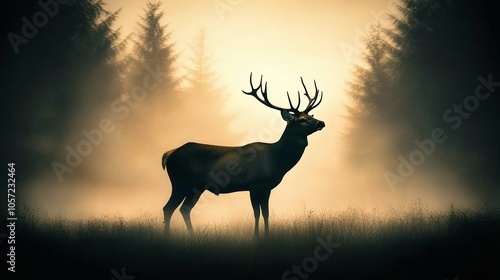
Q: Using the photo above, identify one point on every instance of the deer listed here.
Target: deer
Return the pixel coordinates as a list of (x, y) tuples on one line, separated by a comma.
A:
[(256, 167)]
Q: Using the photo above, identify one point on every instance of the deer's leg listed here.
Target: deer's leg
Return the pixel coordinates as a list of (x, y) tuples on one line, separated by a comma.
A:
[(264, 204), (191, 199), (174, 201), (255, 199)]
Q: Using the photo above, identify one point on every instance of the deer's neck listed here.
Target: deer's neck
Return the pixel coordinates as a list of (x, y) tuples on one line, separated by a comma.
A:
[(289, 148)]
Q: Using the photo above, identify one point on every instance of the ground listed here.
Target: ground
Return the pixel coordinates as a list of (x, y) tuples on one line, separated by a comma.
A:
[(352, 244)]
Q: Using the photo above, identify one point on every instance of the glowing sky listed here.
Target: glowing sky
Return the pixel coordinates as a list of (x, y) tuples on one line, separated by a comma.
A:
[(283, 40)]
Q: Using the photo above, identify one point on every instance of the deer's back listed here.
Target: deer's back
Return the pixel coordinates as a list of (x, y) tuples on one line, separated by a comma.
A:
[(194, 160), (197, 163)]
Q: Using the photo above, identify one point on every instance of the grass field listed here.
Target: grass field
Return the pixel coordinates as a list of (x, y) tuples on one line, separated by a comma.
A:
[(406, 244)]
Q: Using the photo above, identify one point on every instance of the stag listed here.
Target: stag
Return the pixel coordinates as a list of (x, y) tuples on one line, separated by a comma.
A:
[(256, 167)]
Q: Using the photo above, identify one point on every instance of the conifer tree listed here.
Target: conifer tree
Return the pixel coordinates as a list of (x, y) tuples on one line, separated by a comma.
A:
[(203, 94), (153, 49), (56, 79)]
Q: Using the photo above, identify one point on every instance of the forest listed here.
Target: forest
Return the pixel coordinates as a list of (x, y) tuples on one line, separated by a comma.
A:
[(423, 110), (83, 69), (433, 70)]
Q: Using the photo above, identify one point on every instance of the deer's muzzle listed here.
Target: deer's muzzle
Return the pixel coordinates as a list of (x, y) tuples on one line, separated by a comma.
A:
[(320, 125)]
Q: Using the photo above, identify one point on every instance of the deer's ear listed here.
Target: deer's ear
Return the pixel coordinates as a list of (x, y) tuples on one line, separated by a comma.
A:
[(287, 116)]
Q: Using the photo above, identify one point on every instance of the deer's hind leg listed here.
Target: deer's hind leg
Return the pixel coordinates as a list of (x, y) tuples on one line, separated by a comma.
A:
[(175, 199), (191, 199)]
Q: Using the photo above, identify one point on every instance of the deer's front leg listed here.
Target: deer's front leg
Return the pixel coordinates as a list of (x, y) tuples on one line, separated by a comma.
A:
[(255, 199), (264, 204)]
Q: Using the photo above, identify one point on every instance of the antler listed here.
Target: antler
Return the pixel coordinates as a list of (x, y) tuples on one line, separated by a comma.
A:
[(312, 101), (266, 101)]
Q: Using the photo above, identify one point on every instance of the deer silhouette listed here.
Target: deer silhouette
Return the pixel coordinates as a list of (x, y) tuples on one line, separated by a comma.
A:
[(256, 167)]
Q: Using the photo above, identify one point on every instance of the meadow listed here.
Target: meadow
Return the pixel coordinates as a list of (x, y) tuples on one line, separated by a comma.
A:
[(414, 243)]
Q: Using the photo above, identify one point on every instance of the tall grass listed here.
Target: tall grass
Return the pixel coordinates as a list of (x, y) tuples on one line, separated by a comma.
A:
[(415, 243)]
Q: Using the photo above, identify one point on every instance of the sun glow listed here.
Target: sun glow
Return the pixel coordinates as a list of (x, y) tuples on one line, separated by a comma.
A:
[(281, 40)]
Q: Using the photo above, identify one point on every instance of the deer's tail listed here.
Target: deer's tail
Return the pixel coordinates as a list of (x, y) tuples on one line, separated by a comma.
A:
[(164, 159)]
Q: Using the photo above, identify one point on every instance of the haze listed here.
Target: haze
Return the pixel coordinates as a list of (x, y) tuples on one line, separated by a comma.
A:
[(282, 40)]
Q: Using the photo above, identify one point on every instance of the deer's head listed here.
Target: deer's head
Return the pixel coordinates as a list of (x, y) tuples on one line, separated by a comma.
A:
[(300, 122)]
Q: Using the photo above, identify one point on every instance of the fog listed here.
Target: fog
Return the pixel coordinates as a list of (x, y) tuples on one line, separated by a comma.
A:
[(281, 40)]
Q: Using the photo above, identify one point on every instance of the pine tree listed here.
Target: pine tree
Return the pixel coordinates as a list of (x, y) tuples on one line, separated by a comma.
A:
[(437, 51), (200, 77), (372, 97), (152, 49), (59, 78), (203, 95), (445, 46)]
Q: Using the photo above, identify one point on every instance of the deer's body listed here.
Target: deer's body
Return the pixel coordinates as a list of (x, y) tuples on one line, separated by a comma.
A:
[(251, 165), (256, 167)]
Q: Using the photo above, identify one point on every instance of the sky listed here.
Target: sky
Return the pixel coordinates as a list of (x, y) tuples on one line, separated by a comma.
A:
[(282, 40)]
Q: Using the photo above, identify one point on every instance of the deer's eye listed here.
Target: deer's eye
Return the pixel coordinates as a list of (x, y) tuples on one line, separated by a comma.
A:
[(302, 121)]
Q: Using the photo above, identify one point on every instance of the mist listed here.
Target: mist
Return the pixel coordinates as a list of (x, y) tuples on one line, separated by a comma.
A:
[(283, 41)]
